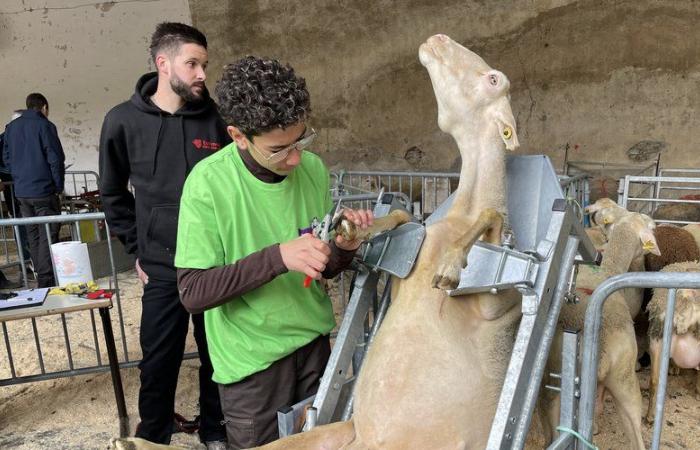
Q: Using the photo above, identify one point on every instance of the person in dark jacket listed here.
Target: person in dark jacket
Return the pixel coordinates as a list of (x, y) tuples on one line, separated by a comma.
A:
[(153, 141), (33, 154)]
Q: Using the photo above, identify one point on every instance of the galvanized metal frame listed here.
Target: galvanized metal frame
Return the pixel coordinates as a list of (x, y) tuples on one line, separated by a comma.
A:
[(591, 339), (655, 184)]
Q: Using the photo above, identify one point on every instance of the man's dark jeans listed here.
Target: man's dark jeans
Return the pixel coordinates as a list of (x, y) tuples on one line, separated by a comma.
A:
[(38, 241), (164, 323)]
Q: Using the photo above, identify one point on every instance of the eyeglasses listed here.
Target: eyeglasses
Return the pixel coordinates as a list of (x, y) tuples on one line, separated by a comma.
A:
[(280, 155)]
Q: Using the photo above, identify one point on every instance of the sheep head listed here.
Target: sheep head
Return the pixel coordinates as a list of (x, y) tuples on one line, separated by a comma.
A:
[(467, 89), (641, 226)]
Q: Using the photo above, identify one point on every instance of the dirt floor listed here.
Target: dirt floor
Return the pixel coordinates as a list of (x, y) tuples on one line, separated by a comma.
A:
[(80, 412)]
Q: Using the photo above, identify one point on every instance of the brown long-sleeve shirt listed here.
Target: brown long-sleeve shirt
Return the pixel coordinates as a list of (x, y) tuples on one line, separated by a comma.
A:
[(202, 289)]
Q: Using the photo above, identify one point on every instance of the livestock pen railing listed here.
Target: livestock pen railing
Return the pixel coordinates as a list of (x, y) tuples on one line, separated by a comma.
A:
[(662, 190), (422, 192), (604, 178), (591, 345), (80, 196)]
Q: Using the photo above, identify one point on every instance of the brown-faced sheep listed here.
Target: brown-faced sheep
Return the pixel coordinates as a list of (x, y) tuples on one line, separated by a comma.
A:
[(676, 245), (685, 342)]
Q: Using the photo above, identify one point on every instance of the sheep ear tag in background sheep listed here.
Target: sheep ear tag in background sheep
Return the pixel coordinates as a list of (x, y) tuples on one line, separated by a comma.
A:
[(649, 241)]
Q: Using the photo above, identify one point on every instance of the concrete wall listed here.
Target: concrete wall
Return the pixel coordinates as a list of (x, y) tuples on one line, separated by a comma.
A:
[(85, 58), (596, 76)]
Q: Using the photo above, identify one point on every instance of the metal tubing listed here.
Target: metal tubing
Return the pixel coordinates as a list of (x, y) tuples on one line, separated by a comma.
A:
[(569, 390), (591, 336), (663, 369), (53, 266), (38, 346), (61, 218), (21, 255), (94, 336), (65, 335), (565, 441), (116, 376), (533, 388), (117, 295), (9, 350)]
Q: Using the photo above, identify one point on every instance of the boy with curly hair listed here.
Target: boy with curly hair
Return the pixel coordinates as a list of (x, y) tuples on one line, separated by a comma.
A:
[(244, 250)]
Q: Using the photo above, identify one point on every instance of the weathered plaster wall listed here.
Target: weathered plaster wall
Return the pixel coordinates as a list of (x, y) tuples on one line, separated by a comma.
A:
[(597, 75), (85, 57)]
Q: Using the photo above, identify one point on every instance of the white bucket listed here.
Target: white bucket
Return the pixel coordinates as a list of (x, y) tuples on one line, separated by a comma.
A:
[(72, 262)]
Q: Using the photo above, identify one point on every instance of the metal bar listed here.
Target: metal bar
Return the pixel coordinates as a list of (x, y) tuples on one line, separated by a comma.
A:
[(569, 382), (591, 336), (350, 332), (535, 376), (663, 370), (565, 441), (38, 346), (395, 173), (22, 258), (65, 335), (648, 179), (9, 350), (114, 369), (94, 336), (536, 308), (48, 241), (61, 218), (663, 200)]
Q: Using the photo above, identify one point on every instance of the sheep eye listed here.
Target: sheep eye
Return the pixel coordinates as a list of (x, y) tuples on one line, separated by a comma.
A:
[(493, 79), (507, 133)]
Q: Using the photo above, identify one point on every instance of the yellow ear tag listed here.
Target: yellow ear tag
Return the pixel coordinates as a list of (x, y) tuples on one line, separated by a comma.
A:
[(648, 246), (606, 221), (507, 133)]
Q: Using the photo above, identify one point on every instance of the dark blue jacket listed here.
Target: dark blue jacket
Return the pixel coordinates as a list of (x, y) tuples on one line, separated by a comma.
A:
[(33, 154)]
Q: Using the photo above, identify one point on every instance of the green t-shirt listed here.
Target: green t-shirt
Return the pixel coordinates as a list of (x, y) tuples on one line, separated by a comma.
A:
[(225, 215)]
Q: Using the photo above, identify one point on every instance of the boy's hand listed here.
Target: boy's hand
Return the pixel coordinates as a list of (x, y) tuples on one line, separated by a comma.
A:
[(306, 254), (362, 218)]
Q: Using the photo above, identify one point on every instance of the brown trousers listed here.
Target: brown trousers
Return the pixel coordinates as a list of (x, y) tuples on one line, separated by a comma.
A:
[(250, 405)]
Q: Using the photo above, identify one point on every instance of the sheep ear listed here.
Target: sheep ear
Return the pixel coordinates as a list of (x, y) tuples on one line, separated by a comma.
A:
[(649, 241), (593, 207), (505, 121)]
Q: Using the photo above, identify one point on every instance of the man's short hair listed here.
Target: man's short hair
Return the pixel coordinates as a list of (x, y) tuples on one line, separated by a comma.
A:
[(257, 95), (170, 36), (36, 101)]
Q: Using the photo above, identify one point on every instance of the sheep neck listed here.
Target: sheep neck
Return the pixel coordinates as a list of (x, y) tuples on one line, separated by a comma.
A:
[(622, 249), (482, 179)]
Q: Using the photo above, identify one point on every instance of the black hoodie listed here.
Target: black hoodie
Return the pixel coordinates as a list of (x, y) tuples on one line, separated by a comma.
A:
[(155, 151)]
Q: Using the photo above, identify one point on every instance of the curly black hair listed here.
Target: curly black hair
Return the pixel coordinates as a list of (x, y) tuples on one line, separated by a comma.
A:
[(257, 95)]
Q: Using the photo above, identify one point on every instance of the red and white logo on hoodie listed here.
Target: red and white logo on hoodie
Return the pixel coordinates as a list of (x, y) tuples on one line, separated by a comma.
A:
[(203, 144)]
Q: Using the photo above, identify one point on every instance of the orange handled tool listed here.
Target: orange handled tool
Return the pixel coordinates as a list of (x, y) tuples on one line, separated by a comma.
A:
[(322, 229)]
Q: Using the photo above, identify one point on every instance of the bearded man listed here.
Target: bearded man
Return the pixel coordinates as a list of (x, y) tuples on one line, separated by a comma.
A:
[(153, 141)]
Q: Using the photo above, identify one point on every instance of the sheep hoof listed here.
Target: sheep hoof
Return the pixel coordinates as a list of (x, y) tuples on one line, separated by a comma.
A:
[(447, 276), (649, 419), (674, 370)]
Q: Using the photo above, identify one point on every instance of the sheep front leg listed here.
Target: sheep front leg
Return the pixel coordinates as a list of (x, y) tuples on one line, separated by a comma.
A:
[(490, 223), (350, 231)]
